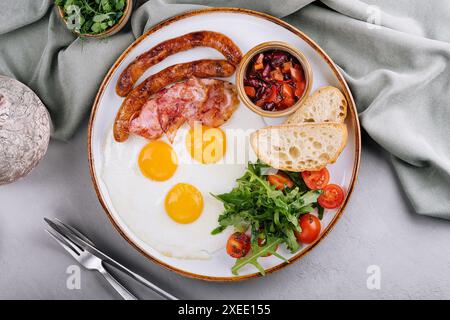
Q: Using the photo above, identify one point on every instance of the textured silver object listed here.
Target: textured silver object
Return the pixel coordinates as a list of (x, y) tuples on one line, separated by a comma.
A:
[(24, 130)]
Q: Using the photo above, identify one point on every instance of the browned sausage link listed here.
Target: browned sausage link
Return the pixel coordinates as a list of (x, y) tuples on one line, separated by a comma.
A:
[(161, 51), (178, 72)]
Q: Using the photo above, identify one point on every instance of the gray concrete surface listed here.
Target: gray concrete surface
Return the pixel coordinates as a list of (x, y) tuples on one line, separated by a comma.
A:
[(378, 228)]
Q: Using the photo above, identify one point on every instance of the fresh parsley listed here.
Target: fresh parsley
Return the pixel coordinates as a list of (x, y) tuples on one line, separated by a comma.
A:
[(271, 215), (91, 16)]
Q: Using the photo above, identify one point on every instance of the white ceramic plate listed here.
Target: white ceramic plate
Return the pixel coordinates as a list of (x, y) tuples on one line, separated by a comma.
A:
[(247, 29)]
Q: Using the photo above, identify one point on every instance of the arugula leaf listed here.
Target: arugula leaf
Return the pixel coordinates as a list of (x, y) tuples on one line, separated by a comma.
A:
[(255, 253), (100, 17), (311, 196), (320, 211), (291, 240), (120, 4), (298, 181), (218, 230)]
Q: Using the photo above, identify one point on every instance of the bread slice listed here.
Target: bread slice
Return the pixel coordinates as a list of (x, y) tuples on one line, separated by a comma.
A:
[(327, 104), (300, 147)]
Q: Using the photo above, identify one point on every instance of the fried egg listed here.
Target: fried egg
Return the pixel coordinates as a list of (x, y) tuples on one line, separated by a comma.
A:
[(162, 191), (184, 203), (157, 160), (206, 145)]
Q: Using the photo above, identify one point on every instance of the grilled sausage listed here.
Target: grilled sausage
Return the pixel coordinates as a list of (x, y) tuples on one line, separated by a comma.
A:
[(178, 72), (169, 47)]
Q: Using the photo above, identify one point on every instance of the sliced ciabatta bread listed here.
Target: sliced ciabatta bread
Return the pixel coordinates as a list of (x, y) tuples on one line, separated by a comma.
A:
[(300, 147), (327, 104)]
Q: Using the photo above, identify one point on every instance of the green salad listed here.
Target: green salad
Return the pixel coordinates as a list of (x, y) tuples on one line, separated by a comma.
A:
[(91, 17), (267, 204)]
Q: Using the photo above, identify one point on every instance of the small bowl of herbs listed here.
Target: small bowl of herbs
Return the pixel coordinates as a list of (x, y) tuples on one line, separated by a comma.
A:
[(95, 18)]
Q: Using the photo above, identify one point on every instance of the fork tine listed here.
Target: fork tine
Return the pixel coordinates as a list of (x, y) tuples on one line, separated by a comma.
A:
[(64, 244), (75, 231), (63, 233)]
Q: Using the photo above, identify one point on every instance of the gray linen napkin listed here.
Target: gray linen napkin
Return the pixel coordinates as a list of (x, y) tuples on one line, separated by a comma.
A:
[(394, 54)]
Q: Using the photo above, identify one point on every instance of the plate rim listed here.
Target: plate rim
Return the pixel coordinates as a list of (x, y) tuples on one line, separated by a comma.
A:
[(304, 37)]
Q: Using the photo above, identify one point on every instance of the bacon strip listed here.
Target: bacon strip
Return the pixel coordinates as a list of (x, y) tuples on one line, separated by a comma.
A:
[(133, 103), (169, 47), (218, 107), (208, 101)]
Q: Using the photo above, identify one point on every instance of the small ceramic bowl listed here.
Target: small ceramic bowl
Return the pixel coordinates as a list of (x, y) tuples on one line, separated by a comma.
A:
[(266, 46), (108, 32)]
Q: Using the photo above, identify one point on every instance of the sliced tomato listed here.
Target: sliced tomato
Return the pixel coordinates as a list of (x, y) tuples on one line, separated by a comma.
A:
[(260, 102), (287, 66), (277, 75), (297, 73), (316, 180), (287, 102), (262, 242), (299, 88), (273, 94), (287, 91), (238, 245), (310, 226), (280, 180), (288, 95), (268, 96), (250, 91), (332, 196)]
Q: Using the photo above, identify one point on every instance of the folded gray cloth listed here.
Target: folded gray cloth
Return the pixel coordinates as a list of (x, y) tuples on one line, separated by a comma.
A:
[(394, 54)]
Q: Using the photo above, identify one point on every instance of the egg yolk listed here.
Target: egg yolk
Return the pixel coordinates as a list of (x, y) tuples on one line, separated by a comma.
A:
[(206, 145), (158, 161), (184, 203)]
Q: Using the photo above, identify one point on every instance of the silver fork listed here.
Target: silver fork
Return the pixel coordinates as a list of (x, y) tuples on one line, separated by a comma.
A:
[(90, 262)]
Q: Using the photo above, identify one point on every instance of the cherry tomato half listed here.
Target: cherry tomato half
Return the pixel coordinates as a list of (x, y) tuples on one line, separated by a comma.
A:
[(331, 197), (310, 228), (280, 180), (316, 180), (238, 245), (262, 242)]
